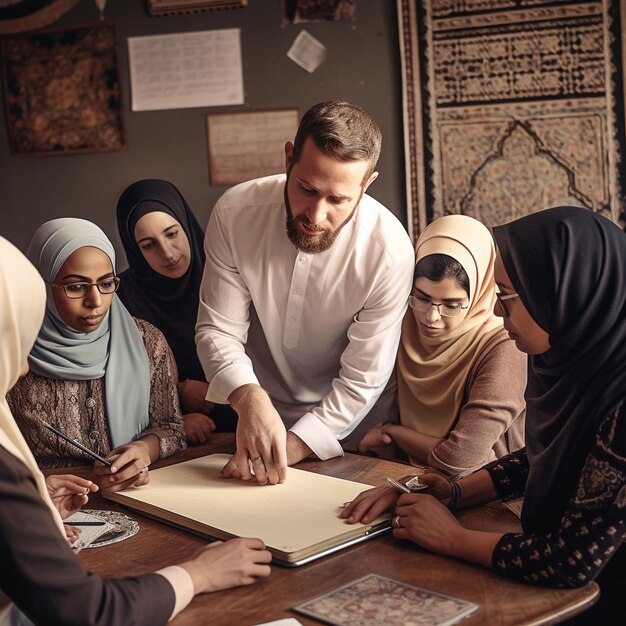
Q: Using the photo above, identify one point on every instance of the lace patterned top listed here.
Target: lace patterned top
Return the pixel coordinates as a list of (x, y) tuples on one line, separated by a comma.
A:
[(77, 408), (593, 528)]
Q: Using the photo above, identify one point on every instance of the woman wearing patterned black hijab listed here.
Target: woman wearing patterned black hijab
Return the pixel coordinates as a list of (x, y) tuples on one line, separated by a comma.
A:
[(561, 275)]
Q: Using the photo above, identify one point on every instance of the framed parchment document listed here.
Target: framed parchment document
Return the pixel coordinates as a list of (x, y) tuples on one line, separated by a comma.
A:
[(183, 70), (243, 146)]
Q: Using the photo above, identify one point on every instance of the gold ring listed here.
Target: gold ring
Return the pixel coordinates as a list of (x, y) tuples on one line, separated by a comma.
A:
[(395, 522)]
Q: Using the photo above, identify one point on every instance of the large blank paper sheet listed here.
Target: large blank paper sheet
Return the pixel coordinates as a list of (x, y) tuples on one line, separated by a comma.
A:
[(296, 517)]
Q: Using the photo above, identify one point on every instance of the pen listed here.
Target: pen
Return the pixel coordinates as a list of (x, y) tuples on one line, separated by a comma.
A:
[(84, 523), (398, 485), (80, 446)]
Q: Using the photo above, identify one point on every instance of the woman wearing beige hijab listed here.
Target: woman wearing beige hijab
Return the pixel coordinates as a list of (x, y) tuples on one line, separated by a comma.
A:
[(460, 378), (39, 572)]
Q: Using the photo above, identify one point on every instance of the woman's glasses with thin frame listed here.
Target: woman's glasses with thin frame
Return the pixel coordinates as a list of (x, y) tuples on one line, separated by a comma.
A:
[(453, 309), (502, 299), (75, 291)]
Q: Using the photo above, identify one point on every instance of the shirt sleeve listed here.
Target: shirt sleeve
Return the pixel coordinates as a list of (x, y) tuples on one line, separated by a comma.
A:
[(182, 585), (221, 334), (367, 362), (592, 529), (509, 475), (166, 421), (47, 581), (494, 403), (364, 365)]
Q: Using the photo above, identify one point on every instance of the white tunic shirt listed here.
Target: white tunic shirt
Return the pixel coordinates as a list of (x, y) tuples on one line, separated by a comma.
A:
[(318, 332)]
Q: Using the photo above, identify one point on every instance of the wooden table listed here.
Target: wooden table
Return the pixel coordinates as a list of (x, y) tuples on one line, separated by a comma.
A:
[(501, 601)]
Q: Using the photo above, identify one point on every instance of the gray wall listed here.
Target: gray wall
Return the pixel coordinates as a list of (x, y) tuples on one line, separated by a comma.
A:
[(362, 65)]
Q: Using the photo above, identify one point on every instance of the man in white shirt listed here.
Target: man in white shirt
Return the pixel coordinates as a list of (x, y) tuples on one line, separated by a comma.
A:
[(301, 328)]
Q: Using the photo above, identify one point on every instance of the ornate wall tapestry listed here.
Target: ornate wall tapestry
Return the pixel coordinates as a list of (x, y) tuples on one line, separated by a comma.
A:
[(512, 106), (62, 91)]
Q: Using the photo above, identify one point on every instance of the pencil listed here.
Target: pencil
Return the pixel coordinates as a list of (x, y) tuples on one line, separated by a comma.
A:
[(80, 446), (84, 523)]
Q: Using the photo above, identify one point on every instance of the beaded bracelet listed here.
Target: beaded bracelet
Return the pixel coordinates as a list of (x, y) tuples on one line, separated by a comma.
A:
[(455, 498)]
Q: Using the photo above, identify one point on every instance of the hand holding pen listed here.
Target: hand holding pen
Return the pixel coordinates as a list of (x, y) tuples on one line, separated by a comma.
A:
[(368, 505), (125, 466), (128, 464), (69, 493)]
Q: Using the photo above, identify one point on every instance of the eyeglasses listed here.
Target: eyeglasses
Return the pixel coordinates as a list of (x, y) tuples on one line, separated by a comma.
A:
[(452, 309), (502, 299), (75, 291)]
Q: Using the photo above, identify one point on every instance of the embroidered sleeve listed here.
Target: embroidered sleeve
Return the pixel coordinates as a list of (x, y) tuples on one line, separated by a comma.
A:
[(166, 421), (509, 475), (75, 407), (592, 529)]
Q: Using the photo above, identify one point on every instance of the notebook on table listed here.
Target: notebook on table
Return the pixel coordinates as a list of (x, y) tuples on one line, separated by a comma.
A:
[(297, 520)]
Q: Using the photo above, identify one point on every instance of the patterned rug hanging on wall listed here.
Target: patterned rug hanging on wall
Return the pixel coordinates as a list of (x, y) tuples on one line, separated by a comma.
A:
[(512, 106)]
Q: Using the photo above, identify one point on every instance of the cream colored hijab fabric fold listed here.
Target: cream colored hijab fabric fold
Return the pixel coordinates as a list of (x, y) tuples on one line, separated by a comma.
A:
[(22, 305), (432, 372)]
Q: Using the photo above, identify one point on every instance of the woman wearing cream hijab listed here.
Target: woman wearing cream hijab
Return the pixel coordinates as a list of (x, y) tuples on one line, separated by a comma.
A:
[(39, 572), (460, 378)]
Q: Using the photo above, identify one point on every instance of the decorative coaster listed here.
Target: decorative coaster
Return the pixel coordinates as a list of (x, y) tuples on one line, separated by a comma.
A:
[(373, 600)]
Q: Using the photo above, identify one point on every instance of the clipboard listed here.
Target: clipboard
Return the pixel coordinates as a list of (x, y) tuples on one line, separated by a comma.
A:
[(298, 520)]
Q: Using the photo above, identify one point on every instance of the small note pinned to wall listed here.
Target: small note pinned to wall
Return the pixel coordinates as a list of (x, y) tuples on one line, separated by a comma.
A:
[(307, 52)]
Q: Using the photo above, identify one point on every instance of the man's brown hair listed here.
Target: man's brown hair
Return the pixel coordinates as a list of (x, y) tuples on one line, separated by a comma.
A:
[(342, 131)]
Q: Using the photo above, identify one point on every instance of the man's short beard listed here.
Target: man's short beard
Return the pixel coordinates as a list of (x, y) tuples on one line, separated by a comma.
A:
[(305, 243)]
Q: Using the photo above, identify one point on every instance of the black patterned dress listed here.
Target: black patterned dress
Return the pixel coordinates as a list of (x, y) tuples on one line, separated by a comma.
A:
[(589, 543)]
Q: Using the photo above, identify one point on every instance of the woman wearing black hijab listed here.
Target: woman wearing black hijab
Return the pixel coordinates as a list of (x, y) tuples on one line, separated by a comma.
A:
[(164, 248), (561, 274)]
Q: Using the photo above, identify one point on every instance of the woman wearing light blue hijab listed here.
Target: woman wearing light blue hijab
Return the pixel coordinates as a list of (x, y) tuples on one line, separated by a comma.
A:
[(39, 573), (97, 374)]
